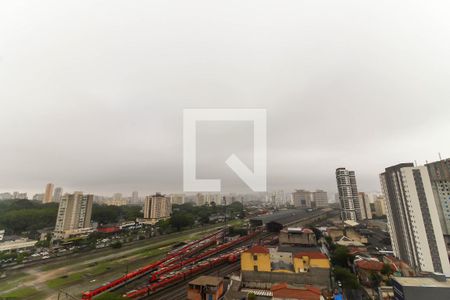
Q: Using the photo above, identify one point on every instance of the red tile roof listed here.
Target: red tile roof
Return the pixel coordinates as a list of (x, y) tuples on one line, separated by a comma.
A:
[(311, 255), (371, 265), (283, 291), (258, 249)]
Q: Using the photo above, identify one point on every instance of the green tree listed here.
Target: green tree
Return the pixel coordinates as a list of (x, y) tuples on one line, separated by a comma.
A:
[(386, 270), (116, 245), (340, 256), (375, 279), (181, 219), (348, 279)]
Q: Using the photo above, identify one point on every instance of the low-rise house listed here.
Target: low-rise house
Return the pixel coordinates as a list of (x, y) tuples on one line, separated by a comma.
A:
[(436, 287), (335, 233), (205, 287), (366, 268), (271, 265), (298, 236), (399, 267), (348, 242), (283, 291)]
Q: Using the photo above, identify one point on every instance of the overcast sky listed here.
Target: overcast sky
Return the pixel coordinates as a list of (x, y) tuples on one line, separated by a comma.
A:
[(92, 92)]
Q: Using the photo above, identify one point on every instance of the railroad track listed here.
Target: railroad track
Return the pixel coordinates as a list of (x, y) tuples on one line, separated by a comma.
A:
[(179, 290), (175, 289)]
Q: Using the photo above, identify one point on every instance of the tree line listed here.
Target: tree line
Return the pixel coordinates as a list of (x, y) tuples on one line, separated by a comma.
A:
[(20, 216)]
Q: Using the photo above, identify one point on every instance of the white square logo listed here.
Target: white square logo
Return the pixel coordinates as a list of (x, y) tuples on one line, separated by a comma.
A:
[(256, 179)]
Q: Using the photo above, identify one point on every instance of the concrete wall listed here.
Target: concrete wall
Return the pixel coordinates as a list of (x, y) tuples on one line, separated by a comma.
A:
[(317, 277)]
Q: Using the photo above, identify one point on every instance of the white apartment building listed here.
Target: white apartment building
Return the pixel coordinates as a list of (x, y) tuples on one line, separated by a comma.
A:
[(440, 181), (348, 194), (364, 206), (413, 219)]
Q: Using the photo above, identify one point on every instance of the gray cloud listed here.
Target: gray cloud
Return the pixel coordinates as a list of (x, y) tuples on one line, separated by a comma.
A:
[(92, 93)]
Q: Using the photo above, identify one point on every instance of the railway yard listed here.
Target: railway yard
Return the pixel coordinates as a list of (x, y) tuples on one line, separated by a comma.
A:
[(202, 256), (68, 278)]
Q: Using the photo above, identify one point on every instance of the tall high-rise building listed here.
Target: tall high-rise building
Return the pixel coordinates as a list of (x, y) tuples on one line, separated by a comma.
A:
[(380, 206), (48, 195), (320, 198), (74, 213), (364, 206), (157, 207), (413, 220), (440, 182), (57, 194), (302, 198), (348, 194)]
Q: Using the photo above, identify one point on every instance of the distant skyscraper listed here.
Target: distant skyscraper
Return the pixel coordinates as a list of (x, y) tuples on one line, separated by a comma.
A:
[(48, 195), (380, 206), (348, 194), (302, 198), (364, 206), (440, 182), (57, 195), (177, 199), (320, 198), (413, 220), (200, 199), (74, 213), (134, 197), (157, 207)]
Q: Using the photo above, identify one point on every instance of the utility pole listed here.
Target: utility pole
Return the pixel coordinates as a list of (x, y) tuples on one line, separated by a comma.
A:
[(226, 220)]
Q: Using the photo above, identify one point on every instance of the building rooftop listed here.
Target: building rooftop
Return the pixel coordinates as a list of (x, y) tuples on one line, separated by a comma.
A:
[(423, 282), (207, 280), (258, 249), (282, 290), (371, 265), (296, 249), (311, 255), (298, 230)]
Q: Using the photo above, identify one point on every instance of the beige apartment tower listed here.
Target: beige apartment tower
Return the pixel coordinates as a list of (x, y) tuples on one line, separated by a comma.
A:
[(74, 213), (157, 207), (48, 196)]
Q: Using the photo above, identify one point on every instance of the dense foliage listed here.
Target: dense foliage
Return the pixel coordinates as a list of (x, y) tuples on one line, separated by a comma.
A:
[(18, 216), (104, 214), (27, 216)]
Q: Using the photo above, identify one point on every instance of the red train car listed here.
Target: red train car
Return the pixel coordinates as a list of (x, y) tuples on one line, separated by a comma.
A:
[(185, 250)]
